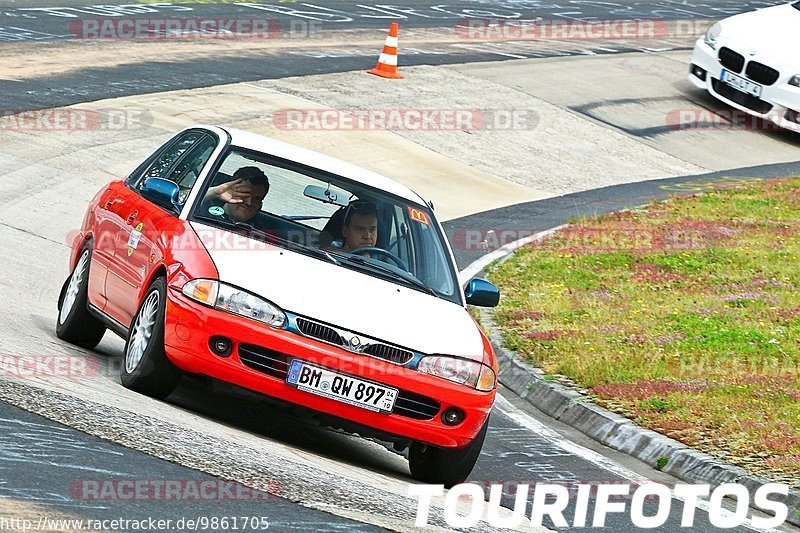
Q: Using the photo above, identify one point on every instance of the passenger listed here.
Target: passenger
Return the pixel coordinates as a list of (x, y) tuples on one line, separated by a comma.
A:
[(241, 198)]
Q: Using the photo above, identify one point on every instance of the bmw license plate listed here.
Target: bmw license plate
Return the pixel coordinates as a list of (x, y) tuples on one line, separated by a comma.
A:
[(340, 387), (740, 83)]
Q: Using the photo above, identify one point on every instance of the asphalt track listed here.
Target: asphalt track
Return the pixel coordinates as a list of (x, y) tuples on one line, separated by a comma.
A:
[(54, 466), (518, 449), (40, 25), (46, 20)]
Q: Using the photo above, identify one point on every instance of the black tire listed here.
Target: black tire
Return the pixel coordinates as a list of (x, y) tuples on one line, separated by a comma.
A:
[(153, 375), (76, 325), (445, 466)]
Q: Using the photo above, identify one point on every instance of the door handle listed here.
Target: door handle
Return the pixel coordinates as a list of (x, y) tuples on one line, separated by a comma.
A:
[(132, 218)]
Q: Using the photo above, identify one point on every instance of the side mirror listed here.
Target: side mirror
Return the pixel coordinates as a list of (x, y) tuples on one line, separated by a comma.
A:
[(161, 192), (482, 293)]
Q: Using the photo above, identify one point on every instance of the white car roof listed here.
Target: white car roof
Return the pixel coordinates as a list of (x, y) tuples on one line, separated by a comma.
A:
[(291, 152)]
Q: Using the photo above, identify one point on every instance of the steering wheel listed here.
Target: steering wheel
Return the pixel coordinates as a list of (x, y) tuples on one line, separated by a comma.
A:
[(381, 252)]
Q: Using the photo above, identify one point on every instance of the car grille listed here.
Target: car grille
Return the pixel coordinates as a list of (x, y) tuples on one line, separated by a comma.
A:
[(264, 360), (387, 352), (760, 73), (276, 364), (415, 405), (319, 331), (747, 100), (731, 60)]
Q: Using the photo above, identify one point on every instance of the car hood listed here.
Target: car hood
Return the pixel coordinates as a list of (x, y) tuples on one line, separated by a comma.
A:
[(342, 297), (771, 32)]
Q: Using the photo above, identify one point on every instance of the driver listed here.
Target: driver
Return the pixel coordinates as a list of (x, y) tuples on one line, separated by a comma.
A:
[(360, 232), (360, 227)]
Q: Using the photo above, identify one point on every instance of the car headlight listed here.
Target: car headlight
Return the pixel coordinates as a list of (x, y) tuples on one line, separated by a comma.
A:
[(236, 301), (712, 35), (795, 81), (463, 371)]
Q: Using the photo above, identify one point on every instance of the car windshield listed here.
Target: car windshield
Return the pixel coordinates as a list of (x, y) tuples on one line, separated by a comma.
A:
[(328, 218)]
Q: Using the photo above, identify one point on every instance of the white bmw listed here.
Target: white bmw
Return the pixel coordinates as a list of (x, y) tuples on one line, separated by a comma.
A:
[(751, 62)]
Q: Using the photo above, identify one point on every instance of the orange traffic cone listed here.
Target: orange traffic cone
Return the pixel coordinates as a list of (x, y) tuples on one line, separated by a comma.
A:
[(387, 62)]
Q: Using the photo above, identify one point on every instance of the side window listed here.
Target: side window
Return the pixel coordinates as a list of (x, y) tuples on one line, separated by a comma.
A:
[(163, 164), (133, 178), (188, 169)]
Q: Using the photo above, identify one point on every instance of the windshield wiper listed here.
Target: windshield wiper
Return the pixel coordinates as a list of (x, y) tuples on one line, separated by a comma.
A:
[(395, 273), (250, 229)]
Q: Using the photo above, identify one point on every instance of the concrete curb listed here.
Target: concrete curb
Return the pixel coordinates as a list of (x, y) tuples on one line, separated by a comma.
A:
[(616, 431)]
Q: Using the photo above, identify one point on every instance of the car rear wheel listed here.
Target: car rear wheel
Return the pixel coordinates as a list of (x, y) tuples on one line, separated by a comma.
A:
[(145, 367), (445, 466), (74, 323)]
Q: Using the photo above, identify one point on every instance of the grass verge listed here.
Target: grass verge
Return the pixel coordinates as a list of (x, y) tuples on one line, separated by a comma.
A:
[(683, 315)]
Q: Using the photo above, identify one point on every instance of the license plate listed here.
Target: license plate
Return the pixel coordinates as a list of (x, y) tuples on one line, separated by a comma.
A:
[(738, 82), (340, 387)]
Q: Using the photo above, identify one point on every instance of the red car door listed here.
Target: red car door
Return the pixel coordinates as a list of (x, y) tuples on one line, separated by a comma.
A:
[(104, 231), (141, 238), (135, 250)]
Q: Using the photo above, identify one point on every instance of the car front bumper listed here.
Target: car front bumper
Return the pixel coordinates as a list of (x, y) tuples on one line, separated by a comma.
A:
[(257, 362), (779, 102)]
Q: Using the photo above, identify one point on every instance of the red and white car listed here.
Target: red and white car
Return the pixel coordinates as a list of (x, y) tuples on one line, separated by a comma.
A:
[(378, 339), (750, 62)]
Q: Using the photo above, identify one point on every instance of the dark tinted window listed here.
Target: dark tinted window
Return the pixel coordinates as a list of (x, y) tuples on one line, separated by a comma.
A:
[(162, 166), (188, 169)]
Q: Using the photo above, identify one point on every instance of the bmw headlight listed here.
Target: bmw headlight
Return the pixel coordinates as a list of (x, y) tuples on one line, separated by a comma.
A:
[(235, 301), (712, 35), (795, 81), (463, 371)]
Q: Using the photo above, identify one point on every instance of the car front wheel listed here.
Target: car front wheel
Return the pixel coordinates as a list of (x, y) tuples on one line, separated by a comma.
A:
[(145, 367), (74, 323), (445, 466)]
